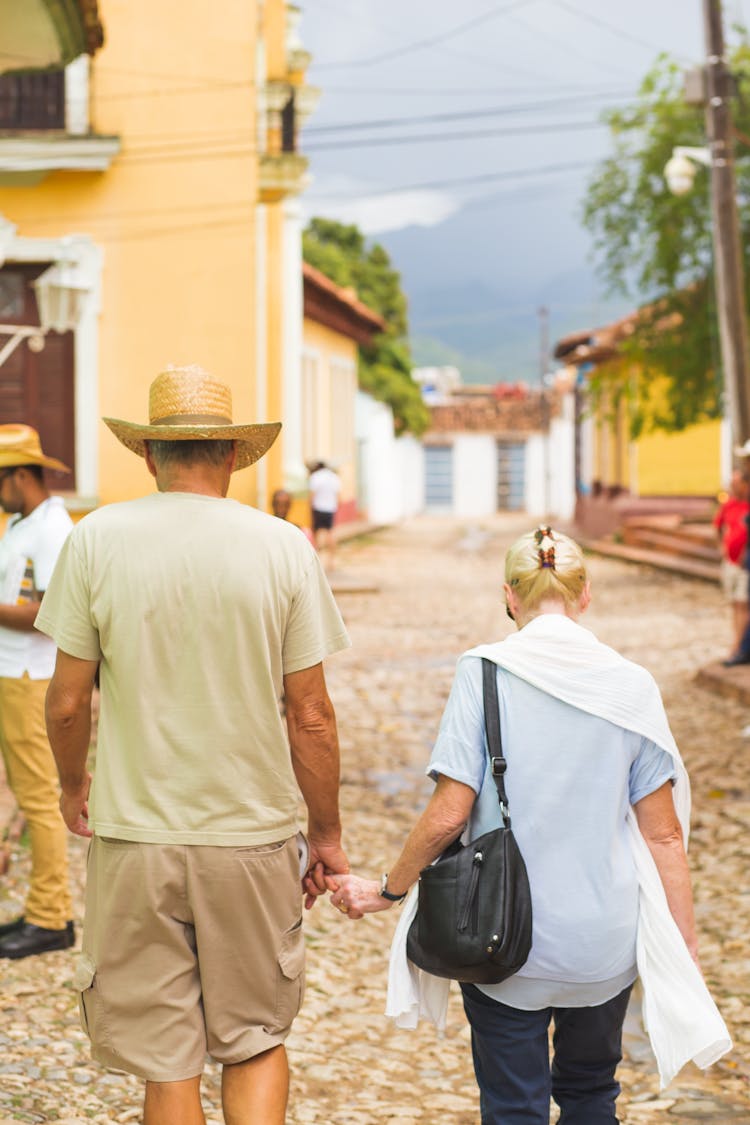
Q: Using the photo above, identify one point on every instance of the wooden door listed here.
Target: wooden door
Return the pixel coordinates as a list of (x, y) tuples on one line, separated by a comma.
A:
[(37, 387)]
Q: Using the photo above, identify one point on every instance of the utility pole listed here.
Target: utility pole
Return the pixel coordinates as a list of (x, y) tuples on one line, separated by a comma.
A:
[(727, 237)]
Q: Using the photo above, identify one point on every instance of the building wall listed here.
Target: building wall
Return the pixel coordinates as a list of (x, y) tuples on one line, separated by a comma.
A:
[(174, 214), (328, 395), (474, 475), (691, 462), (683, 464), (390, 468)]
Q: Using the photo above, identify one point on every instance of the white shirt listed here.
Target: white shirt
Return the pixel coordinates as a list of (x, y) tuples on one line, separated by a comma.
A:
[(38, 539), (324, 490)]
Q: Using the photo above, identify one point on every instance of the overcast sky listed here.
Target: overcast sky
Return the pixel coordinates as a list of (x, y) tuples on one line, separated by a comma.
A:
[(474, 132), (381, 60)]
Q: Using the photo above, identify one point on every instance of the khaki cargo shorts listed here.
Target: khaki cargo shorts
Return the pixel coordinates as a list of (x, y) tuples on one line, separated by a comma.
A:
[(189, 950), (734, 581)]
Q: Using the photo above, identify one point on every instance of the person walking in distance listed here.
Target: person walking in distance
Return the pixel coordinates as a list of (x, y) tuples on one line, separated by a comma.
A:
[(200, 611), (324, 501), (37, 528), (731, 527)]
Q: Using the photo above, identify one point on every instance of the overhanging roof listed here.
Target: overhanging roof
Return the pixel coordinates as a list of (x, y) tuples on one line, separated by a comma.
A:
[(338, 308), (40, 34)]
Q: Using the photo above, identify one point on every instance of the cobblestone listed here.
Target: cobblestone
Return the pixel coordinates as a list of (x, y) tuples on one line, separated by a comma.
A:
[(438, 588)]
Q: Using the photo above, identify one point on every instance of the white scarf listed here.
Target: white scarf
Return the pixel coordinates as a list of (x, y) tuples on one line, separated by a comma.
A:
[(566, 661)]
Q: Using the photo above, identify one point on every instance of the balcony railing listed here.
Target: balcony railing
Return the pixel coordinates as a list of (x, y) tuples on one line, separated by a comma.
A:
[(32, 101)]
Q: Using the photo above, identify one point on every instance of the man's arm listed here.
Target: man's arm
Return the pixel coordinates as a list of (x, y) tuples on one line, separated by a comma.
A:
[(19, 617), (68, 714), (314, 744), (661, 830)]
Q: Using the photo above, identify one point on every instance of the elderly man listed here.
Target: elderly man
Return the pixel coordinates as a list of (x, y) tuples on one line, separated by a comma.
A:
[(200, 612), (37, 528)]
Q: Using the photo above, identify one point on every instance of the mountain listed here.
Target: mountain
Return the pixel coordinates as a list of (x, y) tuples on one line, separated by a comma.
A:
[(477, 281)]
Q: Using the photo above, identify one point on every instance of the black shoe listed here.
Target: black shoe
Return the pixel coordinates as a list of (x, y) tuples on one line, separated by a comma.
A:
[(11, 927), (738, 658), (28, 940)]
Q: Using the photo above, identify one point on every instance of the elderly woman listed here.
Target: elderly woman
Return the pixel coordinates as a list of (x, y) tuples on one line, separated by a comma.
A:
[(591, 767)]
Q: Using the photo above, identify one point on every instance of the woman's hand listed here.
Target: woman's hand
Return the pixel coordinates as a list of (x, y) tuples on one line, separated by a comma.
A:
[(355, 896)]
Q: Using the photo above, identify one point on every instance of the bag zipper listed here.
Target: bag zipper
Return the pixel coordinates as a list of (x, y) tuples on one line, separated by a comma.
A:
[(472, 898)]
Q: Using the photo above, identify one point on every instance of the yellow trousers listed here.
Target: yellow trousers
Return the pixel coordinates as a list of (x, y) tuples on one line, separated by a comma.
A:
[(32, 777)]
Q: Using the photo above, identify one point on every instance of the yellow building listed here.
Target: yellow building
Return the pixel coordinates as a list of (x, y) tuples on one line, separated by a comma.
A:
[(335, 323), (689, 463), (148, 216)]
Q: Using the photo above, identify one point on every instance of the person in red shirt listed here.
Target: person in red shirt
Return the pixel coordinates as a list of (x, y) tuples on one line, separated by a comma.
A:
[(730, 523)]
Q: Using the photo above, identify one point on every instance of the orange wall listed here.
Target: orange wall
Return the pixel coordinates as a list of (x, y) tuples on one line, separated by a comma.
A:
[(174, 214)]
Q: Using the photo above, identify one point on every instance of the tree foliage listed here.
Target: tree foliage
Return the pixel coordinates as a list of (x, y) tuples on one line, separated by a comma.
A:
[(649, 241), (341, 252)]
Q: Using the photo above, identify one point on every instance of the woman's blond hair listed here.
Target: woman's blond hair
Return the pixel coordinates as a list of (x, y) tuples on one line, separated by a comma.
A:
[(545, 564)]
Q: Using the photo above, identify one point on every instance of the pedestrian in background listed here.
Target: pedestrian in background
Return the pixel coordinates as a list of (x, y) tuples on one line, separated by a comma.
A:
[(281, 503), (201, 611), (591, 765), (325, 487), (37, 528), (730, 522)]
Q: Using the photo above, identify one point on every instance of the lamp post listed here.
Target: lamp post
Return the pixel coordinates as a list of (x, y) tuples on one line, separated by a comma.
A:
[(729, 269)]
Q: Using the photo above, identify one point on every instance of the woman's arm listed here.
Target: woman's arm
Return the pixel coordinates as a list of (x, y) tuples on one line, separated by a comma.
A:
[(661, 830), (439, 825)]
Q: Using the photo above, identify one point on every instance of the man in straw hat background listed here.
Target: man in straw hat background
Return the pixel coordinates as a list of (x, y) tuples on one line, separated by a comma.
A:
[(201, 612), (36, 531)]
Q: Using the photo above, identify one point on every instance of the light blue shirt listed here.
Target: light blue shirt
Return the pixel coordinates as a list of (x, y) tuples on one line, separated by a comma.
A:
[(570, 780)]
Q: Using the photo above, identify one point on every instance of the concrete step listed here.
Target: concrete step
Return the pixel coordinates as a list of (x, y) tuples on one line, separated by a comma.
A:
[(663, 560), (672, 542)]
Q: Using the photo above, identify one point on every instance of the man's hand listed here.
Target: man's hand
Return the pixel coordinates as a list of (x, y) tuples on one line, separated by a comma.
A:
[(325, 860), (75, 809)]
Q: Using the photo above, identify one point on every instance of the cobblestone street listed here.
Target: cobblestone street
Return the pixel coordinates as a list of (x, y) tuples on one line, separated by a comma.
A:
[(439, 592)]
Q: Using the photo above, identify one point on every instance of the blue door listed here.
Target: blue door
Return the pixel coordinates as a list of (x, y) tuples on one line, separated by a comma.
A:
[(438, 478), (511, 472)]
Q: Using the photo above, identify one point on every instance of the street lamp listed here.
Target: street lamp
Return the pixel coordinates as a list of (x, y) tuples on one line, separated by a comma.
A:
[(60, 293), (679, 171)]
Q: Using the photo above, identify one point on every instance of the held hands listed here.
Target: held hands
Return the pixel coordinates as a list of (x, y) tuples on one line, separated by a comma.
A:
[(355, 896), (326, 860)]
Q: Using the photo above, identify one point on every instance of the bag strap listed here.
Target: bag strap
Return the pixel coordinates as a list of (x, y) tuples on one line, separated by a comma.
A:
[(498, 764)]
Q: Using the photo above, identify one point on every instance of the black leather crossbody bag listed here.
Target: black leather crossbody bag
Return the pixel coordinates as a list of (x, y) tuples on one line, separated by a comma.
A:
[(473, 920)]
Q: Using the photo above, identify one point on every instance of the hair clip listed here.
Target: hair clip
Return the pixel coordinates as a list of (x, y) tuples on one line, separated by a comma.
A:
[(547, 558), (541, 534)]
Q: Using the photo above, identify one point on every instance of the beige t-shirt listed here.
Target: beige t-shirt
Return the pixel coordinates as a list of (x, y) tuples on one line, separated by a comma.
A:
[(196, 607)]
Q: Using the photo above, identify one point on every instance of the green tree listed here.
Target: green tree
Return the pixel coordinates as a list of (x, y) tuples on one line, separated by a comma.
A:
[(341, 252), (650, 241)]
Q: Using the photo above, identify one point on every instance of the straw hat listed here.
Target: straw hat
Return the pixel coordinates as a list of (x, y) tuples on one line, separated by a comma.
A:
[(188, 404), (20, 445)]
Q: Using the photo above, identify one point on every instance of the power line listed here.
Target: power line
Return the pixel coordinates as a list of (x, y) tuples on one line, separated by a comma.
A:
[(195, 155), (458, 91), (464, 181), (461, 115), (598, 22), (427, 138), (572, 48), (429, 41), (104, 70), (162, 93)]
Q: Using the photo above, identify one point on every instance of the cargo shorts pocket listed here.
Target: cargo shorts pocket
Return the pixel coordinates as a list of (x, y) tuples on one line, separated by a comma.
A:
[(89, 1006), (290, 984)]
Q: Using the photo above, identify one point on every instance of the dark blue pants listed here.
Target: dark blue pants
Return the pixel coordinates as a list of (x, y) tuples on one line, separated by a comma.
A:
[(512, 1064)]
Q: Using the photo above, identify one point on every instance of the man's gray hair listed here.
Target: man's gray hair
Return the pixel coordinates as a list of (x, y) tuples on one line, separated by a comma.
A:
[(201, 451)]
